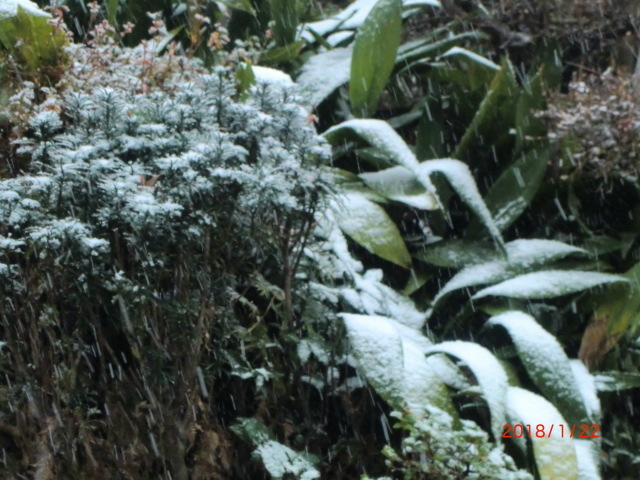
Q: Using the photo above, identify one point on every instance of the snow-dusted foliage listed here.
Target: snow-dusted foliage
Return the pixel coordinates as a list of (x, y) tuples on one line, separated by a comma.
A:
[(153, 236), (163, 169), (436, 447)]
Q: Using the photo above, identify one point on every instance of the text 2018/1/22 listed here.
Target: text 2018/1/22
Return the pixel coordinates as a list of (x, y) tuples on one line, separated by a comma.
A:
[(541, 430)]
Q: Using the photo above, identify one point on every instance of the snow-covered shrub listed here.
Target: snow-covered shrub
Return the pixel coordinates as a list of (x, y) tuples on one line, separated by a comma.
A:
[(596, 126), (435, 448), (149, 257)]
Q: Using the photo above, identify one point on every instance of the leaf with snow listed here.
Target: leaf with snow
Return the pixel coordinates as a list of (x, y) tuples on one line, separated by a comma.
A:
[(615, 381), (9, 245), (548, 284), (271, 75), (370, 226), (459, 177), (392, 359), (458, 253), (353, 17), (281, 461), (522, 255), (468, 56), (554, 453), (378, 134), (588, 391), (9, 8), (317, 81), (378, 347), (421, 3), (489, 374), (374, 297), (401, 185), (548, 367), (588, 468), (514, 190)]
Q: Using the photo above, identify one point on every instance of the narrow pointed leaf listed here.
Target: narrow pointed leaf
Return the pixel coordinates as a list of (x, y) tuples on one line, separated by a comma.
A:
[(374, 55)]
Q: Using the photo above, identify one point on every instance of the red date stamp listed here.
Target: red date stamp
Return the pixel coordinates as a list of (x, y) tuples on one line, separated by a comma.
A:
[(540, 430)]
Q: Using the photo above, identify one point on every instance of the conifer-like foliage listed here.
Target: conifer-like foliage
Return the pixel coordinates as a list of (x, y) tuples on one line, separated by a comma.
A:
[(147, 264)]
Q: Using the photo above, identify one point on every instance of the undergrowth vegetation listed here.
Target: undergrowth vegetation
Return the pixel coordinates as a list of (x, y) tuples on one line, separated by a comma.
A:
[(211, 271)]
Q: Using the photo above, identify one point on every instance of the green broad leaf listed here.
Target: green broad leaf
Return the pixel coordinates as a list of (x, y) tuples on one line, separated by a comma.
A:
[(374, 55), (459, 177), (554, 453), (489, 374), (522, 256), (457, 253), (392, 358), (283, 53), (549, 368), (548, 284), (494, 114), (370, 226), (514, 190), (317, 81), (284, 14), (400, 185)]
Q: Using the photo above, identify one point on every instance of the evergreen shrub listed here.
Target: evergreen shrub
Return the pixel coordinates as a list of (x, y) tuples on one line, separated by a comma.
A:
[(147, 264)]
